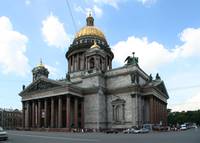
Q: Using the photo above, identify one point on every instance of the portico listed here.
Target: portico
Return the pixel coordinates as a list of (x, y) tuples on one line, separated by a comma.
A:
[(45, 109), (63, 111)]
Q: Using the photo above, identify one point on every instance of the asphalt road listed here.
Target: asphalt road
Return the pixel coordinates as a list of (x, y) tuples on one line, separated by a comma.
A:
[(189, 136)]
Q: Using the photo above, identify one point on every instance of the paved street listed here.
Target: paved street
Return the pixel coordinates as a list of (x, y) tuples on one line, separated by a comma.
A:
[(189, 136)]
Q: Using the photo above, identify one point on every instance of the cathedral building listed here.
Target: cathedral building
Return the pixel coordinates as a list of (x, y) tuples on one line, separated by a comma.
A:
[(93, 94)]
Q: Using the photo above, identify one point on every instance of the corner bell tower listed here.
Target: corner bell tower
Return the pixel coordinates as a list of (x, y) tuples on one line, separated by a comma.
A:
[(40, 71)]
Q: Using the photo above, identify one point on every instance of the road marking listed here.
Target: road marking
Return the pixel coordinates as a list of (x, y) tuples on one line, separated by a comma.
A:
[(58, 138)]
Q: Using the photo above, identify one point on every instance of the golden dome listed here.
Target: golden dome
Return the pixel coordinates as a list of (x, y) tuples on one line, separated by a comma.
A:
[(95, 45), (90, 30)]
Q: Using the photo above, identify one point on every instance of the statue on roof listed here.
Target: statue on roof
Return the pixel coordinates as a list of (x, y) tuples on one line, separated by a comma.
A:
[(158, 77), (150, 77), (68, 77), (132, 60)]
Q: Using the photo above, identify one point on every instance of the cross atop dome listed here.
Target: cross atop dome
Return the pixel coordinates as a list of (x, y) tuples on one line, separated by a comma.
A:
[(40, 64)]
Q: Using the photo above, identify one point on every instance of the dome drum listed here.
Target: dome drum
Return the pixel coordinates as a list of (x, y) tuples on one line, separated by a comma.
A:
[(85, 43), (90, 39), (74, 49)]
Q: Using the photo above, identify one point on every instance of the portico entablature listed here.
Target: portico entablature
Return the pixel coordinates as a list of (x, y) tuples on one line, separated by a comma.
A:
[(50, 93), (44, 88)]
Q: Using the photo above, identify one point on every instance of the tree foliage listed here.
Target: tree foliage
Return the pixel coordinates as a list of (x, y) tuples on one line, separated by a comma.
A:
[(183, 117)]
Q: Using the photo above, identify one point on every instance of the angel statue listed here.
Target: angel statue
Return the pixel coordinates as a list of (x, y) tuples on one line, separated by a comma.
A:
[(132, 60)]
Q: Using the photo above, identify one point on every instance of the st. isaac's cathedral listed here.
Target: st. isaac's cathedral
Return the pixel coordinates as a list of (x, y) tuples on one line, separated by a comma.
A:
[(93, 95)]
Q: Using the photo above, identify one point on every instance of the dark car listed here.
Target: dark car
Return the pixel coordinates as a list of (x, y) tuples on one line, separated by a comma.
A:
[(110, 131), (3, 134)]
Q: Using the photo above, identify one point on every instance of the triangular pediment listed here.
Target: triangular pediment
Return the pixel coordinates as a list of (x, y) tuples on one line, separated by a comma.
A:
[(161, 86), (41, 84)]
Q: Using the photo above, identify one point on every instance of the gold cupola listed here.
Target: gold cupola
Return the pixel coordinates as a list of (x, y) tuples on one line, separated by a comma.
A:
[(40, 71), (90, 30), (40, 64)]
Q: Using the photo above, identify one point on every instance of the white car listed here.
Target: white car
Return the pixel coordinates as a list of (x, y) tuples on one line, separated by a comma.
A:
[(144, 130), (183, 127), (3, 134), (136, 131), (129, 131)]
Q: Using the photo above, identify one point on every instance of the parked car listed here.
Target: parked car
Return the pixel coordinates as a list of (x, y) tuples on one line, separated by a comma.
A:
[(148, 126), (143, 130), (136, 131), (194, 126), (3, 134), (129, 131), (111, 131), (183, 127)]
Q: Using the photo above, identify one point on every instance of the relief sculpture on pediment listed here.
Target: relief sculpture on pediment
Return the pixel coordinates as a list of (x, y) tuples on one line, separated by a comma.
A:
[(41, 86)]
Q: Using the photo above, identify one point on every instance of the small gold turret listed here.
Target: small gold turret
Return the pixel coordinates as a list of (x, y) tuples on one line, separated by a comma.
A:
[(40, 71), (40, 64)]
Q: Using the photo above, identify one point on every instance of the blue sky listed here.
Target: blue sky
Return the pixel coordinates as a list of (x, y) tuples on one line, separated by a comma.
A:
[(165, 34)]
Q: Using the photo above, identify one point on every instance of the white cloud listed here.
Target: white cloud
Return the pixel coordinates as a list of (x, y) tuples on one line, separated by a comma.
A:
[(191, 46), (153, 54), (98, 12), (57, 63), (192, 103), (53, 72), (12, 49), (96, 6), (78, 8), (27, 2), (87, 11), (147, 2), (53, 32), (113, 3)]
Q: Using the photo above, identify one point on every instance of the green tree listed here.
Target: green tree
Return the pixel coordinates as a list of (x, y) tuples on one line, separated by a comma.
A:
[(183, 117)]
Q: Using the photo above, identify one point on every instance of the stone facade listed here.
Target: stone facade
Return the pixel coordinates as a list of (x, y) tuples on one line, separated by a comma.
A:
[(94, 95), (10, 119)]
